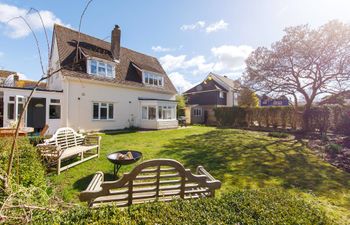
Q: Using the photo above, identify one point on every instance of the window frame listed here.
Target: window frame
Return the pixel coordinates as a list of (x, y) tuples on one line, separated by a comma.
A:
[(106, 106), (98, 63), (55, 102), (156, 78), (197, 112), (221, 94)]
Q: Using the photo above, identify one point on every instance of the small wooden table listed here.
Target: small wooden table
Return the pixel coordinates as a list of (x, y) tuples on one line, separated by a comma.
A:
[(119, 162), (8, 132)]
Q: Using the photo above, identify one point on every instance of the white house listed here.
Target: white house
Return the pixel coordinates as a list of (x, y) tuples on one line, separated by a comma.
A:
[(99, 86)]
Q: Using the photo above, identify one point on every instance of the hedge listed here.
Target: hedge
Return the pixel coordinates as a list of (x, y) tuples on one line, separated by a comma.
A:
[(27, 167), (272, 206), (322, 118)]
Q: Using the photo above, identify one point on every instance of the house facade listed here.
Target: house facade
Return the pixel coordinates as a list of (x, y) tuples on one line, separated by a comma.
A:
[(100, 85), (215, 91)]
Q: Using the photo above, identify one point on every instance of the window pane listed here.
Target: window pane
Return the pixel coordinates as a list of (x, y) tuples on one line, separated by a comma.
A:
[(20, 109), (95, 111), (151, 79), (151, 112), (109, 70), (160, 81), (110, 111), (101, 68), (55, 112), (11, 98), (144, 112), (160, 114), (103, 113), (55, 101), (155, 80), (93, 67), (10, 111), (146, 78)]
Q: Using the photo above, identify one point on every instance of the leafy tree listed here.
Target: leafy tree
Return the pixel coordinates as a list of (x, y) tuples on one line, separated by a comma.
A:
[(305, 64), (181, 105), (248, 98)]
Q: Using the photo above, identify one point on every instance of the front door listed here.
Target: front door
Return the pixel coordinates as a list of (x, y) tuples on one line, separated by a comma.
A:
[(36, 116)]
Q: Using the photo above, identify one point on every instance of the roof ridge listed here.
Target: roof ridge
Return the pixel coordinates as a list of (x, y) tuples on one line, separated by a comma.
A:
[(75, 31)]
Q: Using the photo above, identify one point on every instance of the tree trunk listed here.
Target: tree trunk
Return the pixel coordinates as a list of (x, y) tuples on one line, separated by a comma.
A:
[(306, 118)]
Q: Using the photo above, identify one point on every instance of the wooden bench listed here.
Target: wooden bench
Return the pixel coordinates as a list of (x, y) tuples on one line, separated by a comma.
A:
[(153, 180), (66, 143)]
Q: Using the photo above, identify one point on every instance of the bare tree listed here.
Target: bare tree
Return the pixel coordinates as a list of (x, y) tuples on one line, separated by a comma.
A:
[(46, 73), (305, 64)]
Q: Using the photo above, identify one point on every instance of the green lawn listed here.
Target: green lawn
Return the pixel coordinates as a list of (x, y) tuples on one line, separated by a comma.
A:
[(240, 159)]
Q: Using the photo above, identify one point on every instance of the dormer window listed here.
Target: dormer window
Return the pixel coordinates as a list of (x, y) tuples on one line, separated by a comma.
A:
[(100, 68), (153, 79)]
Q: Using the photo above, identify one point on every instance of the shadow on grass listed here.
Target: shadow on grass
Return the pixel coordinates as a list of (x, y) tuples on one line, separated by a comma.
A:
[(81, 184), (250, 159)]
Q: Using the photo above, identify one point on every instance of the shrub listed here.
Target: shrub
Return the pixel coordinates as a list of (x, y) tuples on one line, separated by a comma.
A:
[(272, 206), (278, 135), (333, 148), (343, 125), (27, 167)]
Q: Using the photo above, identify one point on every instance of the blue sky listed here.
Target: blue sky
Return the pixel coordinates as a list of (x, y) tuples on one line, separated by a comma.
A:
[(190, 38)]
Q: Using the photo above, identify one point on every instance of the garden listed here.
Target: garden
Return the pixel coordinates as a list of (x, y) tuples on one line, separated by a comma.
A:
[(265, 180)]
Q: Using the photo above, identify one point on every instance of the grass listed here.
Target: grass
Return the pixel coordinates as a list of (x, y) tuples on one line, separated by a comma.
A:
[(240, 159)]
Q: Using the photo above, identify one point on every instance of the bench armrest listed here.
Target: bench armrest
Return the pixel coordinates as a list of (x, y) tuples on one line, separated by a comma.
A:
[(94, 186), (210, 179), (92, 140)]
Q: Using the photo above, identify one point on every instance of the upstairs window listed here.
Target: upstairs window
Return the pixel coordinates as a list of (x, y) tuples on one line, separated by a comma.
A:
[(100, 68), (153, 79)]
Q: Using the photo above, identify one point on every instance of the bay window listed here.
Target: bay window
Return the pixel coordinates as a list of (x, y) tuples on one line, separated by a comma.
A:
[(102, 111), (101, 68), (164, 112)]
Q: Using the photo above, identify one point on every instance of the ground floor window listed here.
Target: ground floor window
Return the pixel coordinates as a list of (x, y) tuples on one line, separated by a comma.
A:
[(102, 111), (55, 109), (11, 110), (166, 112), (197, 112), (149, 112)]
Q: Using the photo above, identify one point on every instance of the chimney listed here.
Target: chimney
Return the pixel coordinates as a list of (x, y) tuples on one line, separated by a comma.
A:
[(115, 42)]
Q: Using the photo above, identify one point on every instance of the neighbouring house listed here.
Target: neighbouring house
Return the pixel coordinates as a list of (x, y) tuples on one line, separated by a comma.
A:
[(266, 101), (341, 98), (99, 86), (215, 91)]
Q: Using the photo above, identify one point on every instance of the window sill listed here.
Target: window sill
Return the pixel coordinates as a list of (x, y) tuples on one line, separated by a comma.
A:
[(103, 120)]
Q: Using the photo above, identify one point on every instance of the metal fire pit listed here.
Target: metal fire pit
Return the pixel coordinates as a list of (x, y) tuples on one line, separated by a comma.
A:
[(119, 162)]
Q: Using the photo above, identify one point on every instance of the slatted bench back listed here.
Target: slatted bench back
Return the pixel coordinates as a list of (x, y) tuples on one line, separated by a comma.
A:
[(161, 180), (66, 138)]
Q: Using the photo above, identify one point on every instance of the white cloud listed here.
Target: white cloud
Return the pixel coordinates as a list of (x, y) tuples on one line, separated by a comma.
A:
[(196, 25), (198, 64), (159, 48), (171, 63), (180, 82), (17, 28), (220, 25), (231, 57)]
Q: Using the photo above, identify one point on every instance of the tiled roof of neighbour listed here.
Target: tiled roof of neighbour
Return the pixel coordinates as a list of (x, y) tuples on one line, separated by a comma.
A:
[(29, 84), (5, 73), (231, 83), (209, 85), (126, 72)]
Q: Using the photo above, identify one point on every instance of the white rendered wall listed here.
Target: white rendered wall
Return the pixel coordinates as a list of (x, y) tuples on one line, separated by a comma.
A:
[(81, 95)]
